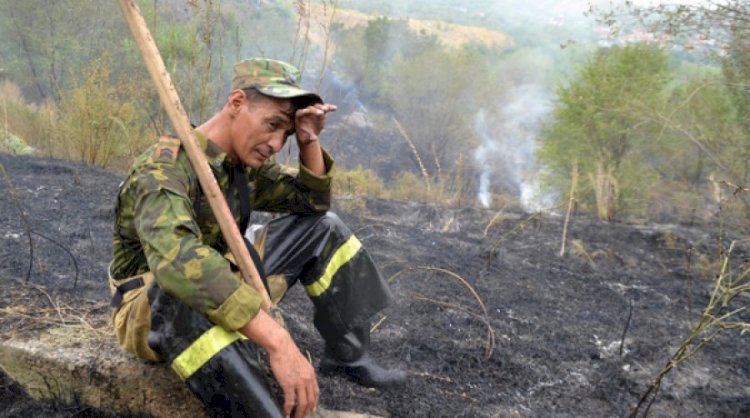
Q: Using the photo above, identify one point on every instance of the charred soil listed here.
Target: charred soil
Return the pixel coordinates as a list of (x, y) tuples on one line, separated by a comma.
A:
[(487, 320)]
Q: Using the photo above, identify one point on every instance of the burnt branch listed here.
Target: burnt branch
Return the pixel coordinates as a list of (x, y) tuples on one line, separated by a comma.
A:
[(70, 254)]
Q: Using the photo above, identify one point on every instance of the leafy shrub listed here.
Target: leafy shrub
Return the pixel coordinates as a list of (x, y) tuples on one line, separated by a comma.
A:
[(14, 145), (97, 120), (410, 186), (23, 127), (357, 182)]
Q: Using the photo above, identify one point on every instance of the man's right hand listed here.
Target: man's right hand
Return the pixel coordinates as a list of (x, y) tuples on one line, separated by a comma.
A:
[(296, 376), (291, 369)]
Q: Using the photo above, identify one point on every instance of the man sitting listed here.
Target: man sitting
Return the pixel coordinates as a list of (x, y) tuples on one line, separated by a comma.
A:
[(177, 294)]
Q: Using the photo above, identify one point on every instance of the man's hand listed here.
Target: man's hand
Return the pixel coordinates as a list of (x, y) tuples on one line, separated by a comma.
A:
[(310, 121), (291, 369), (296, 377)]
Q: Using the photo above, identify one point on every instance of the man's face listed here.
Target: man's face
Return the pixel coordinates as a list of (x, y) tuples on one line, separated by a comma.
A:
[(260, 129)]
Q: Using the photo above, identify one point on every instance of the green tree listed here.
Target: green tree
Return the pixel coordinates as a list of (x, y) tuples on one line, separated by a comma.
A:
[(47, 43), (49, 48), (718, 20), (603, 121), (722, 27), (736, 70)]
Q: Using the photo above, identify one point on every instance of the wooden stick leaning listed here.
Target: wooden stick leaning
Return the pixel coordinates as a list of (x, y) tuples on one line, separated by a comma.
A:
[(171, 102), (571, 202)]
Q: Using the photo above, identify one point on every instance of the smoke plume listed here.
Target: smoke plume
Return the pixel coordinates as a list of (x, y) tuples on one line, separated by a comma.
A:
[(505, 155)]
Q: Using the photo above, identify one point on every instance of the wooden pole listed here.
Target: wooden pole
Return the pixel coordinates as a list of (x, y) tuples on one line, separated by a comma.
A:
[(171, 102), (571, 202)]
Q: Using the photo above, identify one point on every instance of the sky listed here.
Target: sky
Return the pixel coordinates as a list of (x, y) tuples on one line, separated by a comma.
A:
[(569, 9)]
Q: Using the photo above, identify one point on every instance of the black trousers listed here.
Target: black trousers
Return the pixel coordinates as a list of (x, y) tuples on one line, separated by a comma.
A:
[(221, 367)]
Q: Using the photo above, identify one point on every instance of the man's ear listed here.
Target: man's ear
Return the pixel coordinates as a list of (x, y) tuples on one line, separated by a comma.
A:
[(235, 100)]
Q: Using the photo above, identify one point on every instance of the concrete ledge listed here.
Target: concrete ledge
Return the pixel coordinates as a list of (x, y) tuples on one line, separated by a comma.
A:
[(97, 374), (76, 365)]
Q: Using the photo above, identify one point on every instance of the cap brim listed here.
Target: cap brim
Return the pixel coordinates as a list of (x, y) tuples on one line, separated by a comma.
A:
[(290, 92)]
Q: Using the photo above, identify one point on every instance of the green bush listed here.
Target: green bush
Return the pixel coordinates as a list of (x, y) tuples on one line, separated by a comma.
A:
[(14, 145), (357, 182), (98, 123)]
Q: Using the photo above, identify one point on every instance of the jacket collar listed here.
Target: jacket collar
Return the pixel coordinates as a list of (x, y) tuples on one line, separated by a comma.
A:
[(214, 154)]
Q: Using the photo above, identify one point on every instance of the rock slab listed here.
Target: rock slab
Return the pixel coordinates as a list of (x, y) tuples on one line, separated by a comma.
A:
[(68, 366), (100, 375)]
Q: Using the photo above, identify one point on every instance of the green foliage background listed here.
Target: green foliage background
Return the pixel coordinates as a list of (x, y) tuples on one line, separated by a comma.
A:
[(662, 130)]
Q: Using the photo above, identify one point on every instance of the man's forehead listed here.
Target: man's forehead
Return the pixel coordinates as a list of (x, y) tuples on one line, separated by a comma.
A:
[(288, 109), (285, 107), (274, 107)]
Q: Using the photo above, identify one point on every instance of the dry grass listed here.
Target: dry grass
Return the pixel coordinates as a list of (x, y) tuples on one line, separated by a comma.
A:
[(357, 181), (483, 316), (532, 220), (450, 34), (498, 219), (668, 240), (26, 124), (27, 307), (11, 93), (706, 266), (578, 250), (408, 140), (351, 186), (434, 377), (97, 122)]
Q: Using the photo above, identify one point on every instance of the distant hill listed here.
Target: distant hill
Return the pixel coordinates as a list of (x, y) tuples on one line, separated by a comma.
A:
[(450, 34)]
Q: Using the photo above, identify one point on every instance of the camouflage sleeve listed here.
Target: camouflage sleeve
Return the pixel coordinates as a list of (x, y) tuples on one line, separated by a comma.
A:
[(183, 266), (283, 189)]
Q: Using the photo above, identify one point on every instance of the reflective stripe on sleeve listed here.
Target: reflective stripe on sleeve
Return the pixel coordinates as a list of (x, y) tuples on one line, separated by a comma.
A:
[(203, 349), (344, 253)]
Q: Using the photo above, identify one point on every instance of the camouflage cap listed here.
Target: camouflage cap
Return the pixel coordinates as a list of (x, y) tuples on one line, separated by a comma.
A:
[(270, 77)]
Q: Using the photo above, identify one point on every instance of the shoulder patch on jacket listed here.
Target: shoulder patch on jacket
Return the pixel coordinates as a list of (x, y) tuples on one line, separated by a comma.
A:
[(167, 149)]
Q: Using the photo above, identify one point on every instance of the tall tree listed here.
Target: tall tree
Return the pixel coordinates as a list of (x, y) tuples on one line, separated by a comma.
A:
[(48, 43), (601, 122), (722, 27)]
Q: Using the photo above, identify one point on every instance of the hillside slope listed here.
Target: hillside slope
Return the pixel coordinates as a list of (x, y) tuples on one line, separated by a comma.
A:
[(450, 34), (546, 339)]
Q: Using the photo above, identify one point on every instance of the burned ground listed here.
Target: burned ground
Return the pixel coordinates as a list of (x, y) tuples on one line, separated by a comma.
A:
[(488, 320)]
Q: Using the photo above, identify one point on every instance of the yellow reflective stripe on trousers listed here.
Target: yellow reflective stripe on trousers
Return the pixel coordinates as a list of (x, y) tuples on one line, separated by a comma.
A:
[(202, 350), (340, 257)]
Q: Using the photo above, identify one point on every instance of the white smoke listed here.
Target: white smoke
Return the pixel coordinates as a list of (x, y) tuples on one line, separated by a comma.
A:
[(485, 198), (505, 155), (487, 148)]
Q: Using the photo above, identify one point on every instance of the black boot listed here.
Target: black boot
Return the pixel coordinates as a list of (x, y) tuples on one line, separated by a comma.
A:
[(349, 355)]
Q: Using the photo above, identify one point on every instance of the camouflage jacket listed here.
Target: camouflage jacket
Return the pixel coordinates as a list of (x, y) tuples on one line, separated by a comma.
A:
[(156, 228)]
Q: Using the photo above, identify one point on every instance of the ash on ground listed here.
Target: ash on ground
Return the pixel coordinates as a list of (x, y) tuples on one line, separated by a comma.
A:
[(488, 320)]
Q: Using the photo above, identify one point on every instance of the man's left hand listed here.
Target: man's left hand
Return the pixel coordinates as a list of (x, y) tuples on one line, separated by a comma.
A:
[(310, 121)]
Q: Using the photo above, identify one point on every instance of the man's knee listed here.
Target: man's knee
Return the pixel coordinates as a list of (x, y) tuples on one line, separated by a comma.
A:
[(330, 220)]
